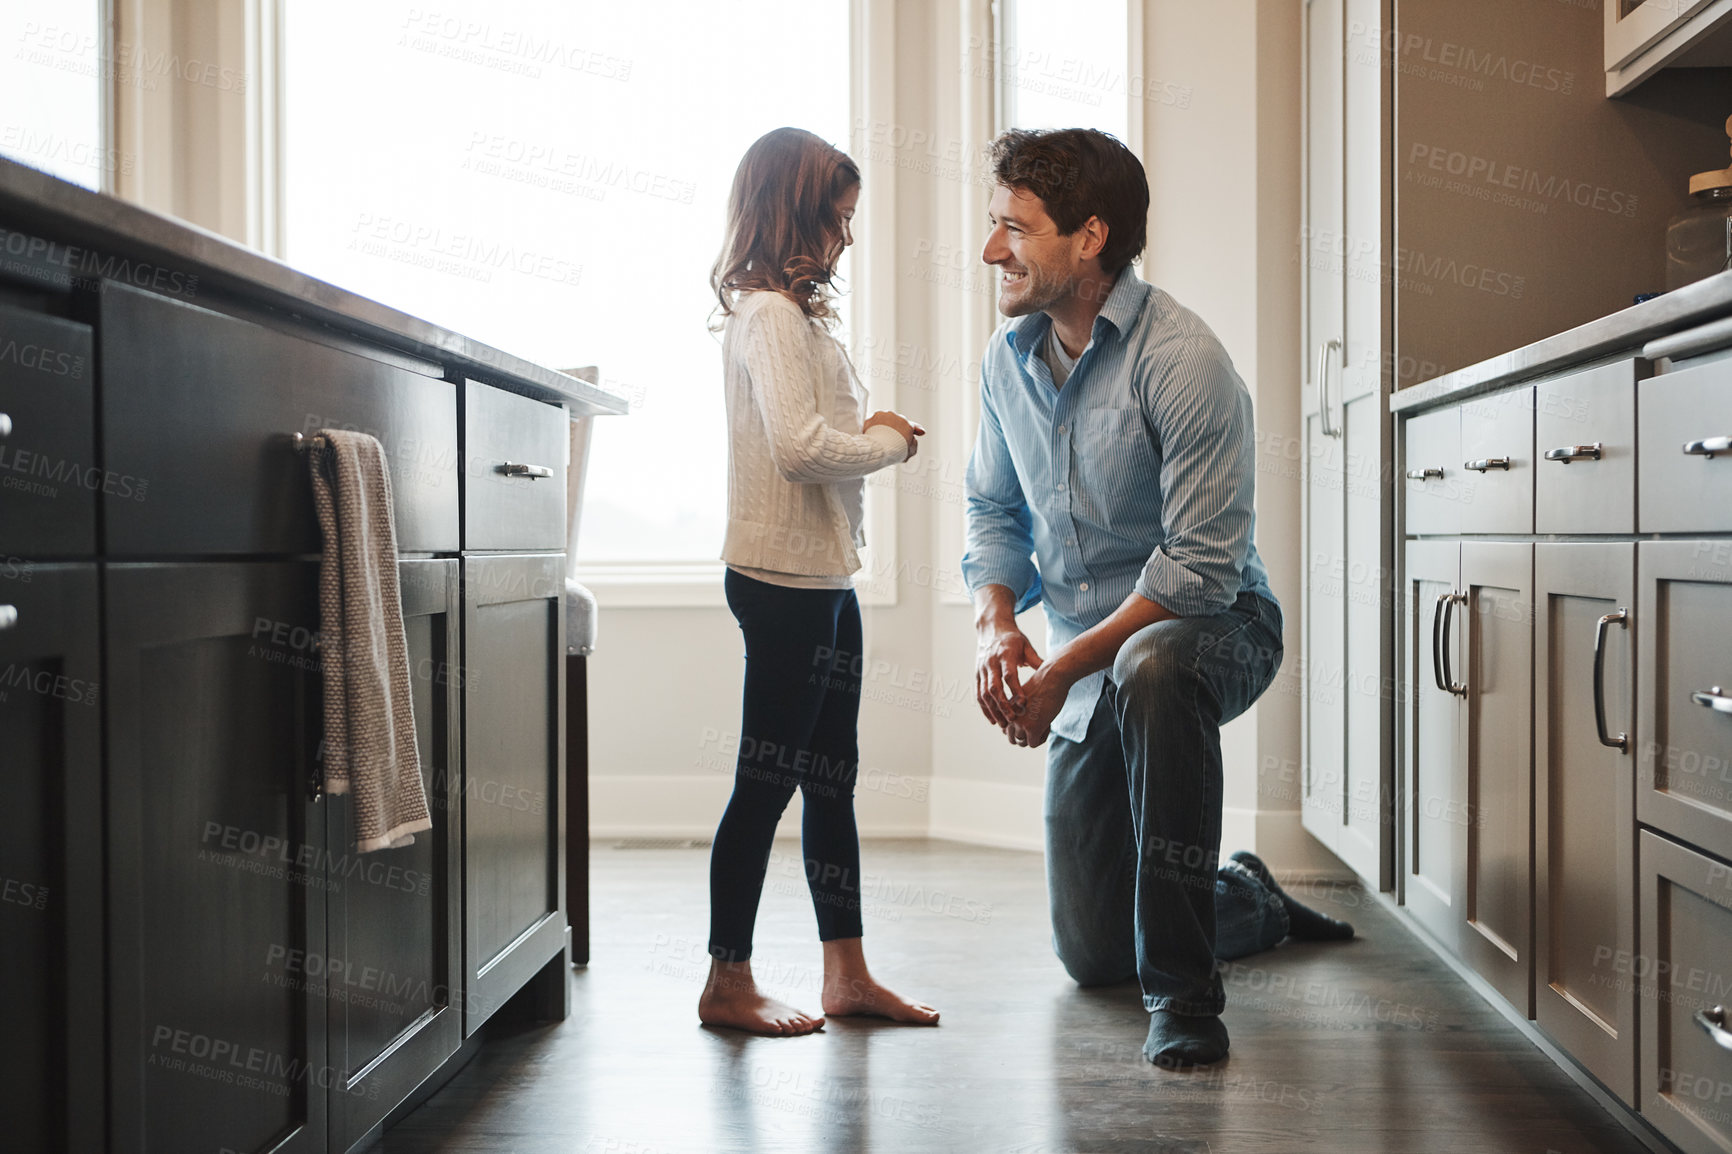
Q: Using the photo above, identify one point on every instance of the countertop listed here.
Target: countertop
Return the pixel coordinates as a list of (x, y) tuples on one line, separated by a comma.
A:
[(1625, 330), (46, 222)]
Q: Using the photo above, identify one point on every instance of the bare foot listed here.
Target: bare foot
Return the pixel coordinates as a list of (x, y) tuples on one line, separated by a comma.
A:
[(850, 990), (731, 998)]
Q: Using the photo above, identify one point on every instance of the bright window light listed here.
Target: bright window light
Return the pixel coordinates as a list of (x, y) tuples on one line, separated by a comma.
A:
[(550, 177), (51, 87), (1065, 65)]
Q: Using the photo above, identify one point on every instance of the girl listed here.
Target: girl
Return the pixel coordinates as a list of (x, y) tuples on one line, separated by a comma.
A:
[(799, 453)]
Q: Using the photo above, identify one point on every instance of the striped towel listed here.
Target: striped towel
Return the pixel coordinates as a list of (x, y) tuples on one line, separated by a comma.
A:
[(369, 749)]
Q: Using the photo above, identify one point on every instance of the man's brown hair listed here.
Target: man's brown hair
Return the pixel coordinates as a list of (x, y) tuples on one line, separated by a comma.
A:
[(1079, 173)]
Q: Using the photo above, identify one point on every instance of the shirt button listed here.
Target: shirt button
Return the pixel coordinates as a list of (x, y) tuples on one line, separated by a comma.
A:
[(1061, 486), (1084, 586), (1061, 430), (1070, 540)]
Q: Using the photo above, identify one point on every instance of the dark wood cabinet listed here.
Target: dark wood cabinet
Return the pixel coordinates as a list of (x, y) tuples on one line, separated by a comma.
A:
[(392, 967), (51, 1071), (513, 804), (47, 438), (218, 861)]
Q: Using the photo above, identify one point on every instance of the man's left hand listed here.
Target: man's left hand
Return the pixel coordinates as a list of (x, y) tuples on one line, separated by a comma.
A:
[(1043, 694)]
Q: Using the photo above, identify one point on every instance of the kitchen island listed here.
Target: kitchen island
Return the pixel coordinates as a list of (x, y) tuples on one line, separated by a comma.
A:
[(197, 958)]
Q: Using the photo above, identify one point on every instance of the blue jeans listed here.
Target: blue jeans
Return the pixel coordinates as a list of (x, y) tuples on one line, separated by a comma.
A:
[(1133, 814)]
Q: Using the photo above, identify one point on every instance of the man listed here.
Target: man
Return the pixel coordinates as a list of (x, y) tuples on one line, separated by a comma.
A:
[(1115, 449)]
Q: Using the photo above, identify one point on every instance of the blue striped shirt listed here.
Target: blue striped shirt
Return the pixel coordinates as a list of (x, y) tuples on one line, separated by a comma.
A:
[(1137, 475)]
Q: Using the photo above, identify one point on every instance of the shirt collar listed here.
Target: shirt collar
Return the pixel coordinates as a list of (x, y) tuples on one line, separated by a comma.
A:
[(1120, 311)]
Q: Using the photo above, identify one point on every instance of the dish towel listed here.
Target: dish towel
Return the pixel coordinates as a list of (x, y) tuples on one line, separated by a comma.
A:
[(369, 748)]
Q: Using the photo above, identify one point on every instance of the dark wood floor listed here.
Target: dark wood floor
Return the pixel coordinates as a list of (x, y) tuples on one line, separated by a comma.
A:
[(1369, 1046)]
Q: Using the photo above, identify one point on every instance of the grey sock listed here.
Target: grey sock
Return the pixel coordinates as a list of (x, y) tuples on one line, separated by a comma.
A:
[(1184, 1039)]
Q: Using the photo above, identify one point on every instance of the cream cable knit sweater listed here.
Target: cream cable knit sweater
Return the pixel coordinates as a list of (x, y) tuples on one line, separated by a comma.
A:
[(797, 457)]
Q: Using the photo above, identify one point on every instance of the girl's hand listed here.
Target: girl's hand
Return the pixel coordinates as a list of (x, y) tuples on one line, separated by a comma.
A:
[(901, 424)]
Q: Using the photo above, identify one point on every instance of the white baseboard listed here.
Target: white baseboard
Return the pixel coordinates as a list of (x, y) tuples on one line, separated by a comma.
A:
[(690, 806), (988, 813)]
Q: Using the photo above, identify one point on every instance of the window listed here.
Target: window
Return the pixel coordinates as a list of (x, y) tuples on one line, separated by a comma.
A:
[(1066, 65), (551, 177), (52, 89)]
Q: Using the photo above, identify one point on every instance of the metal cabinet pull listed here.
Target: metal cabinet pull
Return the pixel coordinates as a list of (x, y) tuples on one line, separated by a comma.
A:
[(1708, 446), (1426, 474), (530, 471), (1713, 1023), (1575, 453), (1440, 622), (1323, 351), (5, 425), (8, 616), (1714, 699), (1485, 463), (1622, 741)]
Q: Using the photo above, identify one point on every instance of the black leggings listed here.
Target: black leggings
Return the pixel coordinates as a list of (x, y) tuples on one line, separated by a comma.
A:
[(797, 729)]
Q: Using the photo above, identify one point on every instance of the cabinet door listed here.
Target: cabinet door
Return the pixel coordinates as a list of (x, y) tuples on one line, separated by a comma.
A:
[(1633, 25), (514, 754), (1434, 788), (1366, 842), (1585, 451), (1496, 935), (1684, 975), (1684, 477), (51, 1067), (216, 868), (393, 978), (1497, 447), (1584, 805), (1436, 485), (47, 436), (1684, 764)]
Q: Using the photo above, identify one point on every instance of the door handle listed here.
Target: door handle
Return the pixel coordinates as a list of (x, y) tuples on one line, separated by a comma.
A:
[(1708, 446), (1323, 351), (1621, 742), (1485, 463), (1428, 473), (531, 471), (1714, 699), (1575, 453), (1713, 1023), (1440, 622)]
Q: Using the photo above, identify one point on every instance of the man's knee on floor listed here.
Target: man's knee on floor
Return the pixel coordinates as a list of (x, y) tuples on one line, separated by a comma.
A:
[(1093, 967)]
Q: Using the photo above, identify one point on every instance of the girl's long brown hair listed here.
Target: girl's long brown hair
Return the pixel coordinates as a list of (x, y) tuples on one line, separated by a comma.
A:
[(784, 232)]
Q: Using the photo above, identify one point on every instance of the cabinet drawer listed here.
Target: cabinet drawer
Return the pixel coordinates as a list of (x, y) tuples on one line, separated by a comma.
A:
[(1436, 484), (48, 471), (515, 452), (1684, 726), (1497, 448), (199, 407), (1683, 489), (1585, 451), (1683, 973)]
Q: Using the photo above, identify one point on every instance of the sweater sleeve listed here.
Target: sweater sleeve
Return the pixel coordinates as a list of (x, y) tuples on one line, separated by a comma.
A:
[(777, 345)]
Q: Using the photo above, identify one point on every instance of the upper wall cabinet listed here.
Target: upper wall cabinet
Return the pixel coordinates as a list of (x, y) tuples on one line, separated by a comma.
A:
[(1644, 36)]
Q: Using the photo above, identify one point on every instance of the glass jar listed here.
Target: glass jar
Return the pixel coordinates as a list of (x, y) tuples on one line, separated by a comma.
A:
[(1699, 239)]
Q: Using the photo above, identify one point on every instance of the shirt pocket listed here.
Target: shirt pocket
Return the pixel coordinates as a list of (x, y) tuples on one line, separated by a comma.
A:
[(1113, 459)]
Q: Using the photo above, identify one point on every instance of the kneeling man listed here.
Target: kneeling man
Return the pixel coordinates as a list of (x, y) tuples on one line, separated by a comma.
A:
[(1115, 448)]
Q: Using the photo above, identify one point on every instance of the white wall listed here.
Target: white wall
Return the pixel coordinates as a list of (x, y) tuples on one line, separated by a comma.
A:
[(1221, 134)]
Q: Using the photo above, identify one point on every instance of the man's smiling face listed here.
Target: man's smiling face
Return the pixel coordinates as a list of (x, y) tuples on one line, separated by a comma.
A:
[(1037, 266)]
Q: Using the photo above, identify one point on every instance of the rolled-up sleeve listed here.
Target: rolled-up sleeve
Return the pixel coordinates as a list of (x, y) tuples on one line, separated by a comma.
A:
[(1000, 535), (1203, 423)]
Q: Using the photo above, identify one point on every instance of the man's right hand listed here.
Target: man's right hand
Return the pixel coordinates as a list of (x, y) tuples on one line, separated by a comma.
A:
[(909, 429), (1001, 651)]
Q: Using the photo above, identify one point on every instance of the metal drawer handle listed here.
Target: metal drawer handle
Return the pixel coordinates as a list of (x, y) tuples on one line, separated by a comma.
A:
[(1622, 741), (1485, 463), (1440, 622), (5, 425), (1708, 446), (1425, 474), (1713, 1023), (8, 616), (530, 471), (1714, 699), (1575, 453)]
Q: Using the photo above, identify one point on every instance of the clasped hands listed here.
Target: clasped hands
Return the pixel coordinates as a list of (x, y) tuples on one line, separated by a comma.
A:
[(1022, 706)]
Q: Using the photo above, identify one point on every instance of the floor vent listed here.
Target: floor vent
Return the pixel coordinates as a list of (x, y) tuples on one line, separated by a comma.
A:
[(662, 843)]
